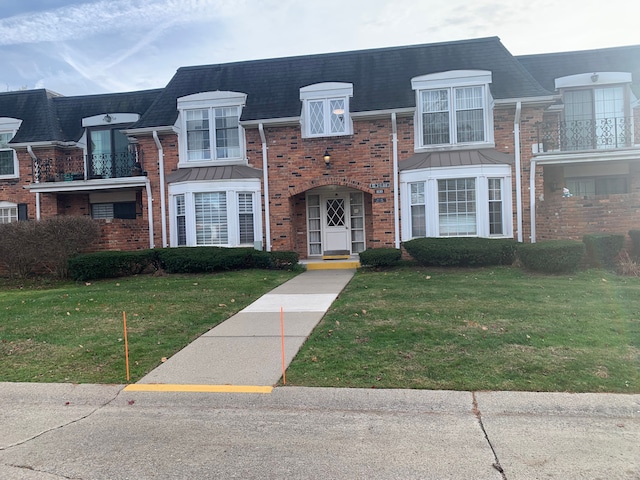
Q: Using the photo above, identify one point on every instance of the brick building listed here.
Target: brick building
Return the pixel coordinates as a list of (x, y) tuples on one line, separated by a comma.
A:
[(338, 153)]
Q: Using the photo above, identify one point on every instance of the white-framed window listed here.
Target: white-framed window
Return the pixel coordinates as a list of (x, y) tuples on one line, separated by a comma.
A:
[(210, 128), (8, 157), (597, 111), (454, 202), (225, 213), (325, 109), (453, 108), (8, 212)]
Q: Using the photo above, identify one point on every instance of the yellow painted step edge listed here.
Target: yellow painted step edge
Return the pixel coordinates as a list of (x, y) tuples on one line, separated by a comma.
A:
[(165, 387), (333, 266)]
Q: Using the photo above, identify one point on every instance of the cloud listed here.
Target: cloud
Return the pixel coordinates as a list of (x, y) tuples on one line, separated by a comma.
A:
[(74, 22)]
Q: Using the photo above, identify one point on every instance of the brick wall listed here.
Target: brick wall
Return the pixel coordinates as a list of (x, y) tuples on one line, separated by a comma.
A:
[(296, 165)]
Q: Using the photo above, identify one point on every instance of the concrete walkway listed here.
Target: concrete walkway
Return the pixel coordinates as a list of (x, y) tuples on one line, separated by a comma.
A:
[(246, 349)]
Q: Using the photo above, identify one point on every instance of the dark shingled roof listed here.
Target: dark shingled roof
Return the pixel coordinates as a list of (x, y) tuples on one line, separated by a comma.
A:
[(455, 158), (381, 78), (35, 109), (545, 68), (71, 110), (49, 117), (226, 172)]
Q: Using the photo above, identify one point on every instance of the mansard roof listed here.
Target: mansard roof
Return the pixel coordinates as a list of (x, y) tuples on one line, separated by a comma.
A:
[(381, 78), (545, 68), (71, 110), (35, 109), (49, 117)]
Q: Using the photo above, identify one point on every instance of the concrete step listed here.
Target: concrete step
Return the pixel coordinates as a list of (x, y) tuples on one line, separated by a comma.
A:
[(333, 265)]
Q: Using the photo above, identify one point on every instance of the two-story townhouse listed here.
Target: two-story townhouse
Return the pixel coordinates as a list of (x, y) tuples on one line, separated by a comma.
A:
[(587, 152), (335, 153), (68, 156)]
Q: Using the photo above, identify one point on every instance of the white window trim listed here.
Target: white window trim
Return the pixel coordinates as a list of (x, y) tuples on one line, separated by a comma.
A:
[(449, 81), (326, 91), (481, 173), (209, 101), (11, 126), (10, 205), (232, 189)]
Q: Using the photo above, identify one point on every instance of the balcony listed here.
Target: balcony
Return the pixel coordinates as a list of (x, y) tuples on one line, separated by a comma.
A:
[(590, 134), (68, 168)]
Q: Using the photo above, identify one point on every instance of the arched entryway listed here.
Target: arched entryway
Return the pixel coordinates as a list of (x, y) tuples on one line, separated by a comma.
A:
[(332, 220)]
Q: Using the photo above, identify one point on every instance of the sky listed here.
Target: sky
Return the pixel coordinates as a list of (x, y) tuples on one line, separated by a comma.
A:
[(80, 47)]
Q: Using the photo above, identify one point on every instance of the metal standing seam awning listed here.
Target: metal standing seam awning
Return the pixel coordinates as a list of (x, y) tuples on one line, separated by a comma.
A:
[(223, 172), (455, 158)]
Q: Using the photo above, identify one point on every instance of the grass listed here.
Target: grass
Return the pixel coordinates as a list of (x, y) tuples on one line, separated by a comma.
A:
[(481, 329), (73, 332)]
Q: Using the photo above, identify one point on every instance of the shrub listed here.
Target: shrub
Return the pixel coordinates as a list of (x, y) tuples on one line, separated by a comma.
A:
[(91, 266), (554, 256), (19, 248), (211, 259), (380, 257), (284, 260), (626, 266), (63, 237), (45, 245), (635, 243), (461, 252), (602, 249)]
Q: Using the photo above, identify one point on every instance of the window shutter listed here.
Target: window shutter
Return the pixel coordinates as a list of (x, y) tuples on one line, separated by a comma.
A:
[(22, 212)]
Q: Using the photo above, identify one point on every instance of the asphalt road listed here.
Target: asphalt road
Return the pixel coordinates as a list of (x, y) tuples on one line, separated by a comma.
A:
[(87, 432)]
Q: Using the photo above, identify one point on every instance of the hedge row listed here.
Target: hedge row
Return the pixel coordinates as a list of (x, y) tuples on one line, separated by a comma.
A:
[(555, 256), (461, 252), (380, 257), (113, 264)]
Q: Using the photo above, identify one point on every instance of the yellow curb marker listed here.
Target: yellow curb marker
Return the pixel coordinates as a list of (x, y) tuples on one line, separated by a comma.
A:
[(164, 387)]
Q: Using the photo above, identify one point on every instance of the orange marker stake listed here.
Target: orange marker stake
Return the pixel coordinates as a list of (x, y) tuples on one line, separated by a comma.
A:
[(284, 374), (126, 344)]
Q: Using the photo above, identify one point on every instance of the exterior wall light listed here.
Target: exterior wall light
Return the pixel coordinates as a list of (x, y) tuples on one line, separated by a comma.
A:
[(327, 158)]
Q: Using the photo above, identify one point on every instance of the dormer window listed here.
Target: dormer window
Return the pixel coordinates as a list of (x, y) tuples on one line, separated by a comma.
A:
[(8, 157), (211, 126), (453, 108), (325, 109)]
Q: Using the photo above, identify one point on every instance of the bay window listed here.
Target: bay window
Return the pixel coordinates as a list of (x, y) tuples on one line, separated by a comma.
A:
[(457, 202), (216, 214)]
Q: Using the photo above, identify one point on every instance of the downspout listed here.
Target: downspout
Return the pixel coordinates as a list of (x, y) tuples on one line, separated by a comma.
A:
[(532, 188), (267, 217), (37, 180), (150, 210), (516, 135), (396, 209), (163, 201)]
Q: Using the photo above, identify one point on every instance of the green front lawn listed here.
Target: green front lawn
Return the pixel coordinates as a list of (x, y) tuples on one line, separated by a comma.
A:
[(73, 332), (481, 329)]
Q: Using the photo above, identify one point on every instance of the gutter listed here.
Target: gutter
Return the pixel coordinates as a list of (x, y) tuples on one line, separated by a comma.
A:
[(34, 158), (396, 208), (265, 175), (163, 206), (516, 136)]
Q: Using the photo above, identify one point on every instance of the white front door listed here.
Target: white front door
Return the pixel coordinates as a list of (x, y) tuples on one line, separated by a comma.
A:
[(336, 224)]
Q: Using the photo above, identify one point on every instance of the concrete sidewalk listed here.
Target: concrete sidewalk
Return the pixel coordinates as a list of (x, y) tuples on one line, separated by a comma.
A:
[(246, 349)]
